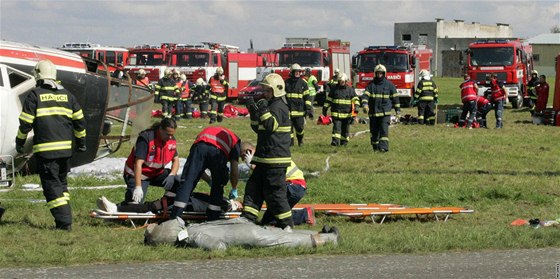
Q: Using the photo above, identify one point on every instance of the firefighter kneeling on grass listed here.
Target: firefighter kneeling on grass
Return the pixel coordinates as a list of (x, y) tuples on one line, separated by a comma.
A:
[(55, 116), (218, 89), (270, 119), (342, 100), (426, 96)]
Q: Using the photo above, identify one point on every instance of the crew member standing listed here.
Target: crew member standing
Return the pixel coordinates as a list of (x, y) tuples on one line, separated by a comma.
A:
[(145, 165), (201, 94), (184, 102), (218, 95), (55, 116), (542, 89), (313, 88), (270, 119), (297, 95), (342, 100), (469, 94), (531, 92), (166, 90), (427, 97), (498, 98), (212, 149), (141, 78), (380, 96)]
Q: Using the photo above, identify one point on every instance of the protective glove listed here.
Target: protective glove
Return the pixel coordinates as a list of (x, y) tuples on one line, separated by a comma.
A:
[(325, 110), (19, 148), (138, 194), (169, 181), (366, 109), (262, 104), (414, 102), (233, 194), (251, 106), (81, 148), (248, 157), (436, 101), (310, 114)]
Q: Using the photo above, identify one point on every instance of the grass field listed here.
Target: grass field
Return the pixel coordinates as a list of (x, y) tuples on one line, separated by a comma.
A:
[(502, 174)]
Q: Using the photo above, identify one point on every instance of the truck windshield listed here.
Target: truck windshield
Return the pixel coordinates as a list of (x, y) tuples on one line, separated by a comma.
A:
[(146, 59), (491, 56), (304, 58), (394, 62), (193, 59)]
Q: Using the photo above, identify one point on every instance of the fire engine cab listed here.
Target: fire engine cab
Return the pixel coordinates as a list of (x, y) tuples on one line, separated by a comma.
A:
[(321, 55), (403, 64), (511, 60), (152, 58), (113, 57), (202, 60)]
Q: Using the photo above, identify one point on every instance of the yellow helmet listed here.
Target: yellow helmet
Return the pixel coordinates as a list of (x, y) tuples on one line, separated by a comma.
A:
[(199, 82), (175, 72), (183, 77), (45, 69), (295, 67), (141, 73), (167, 73), (276, 82), (380, 68), (220, 71), (342, 77)]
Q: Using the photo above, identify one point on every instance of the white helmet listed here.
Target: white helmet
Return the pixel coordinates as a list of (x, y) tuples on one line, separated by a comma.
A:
[(45, 69), (183, 77), (336, 71), (141, 73), (167, 72), (534, 72), (220, 71), (295, 67), (342, 77), (199, 82), (425, 74), (276, 82), (380, 68)]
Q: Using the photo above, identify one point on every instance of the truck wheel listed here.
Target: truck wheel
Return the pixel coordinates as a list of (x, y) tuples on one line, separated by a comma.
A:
[(516, 103)]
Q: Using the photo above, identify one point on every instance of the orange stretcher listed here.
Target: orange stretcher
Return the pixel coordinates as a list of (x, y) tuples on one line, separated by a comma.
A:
[(384, 212), (342, 206), (146, 217)]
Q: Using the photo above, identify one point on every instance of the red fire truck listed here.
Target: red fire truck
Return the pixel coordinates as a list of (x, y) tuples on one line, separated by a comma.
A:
[(113, 57), (322, 55), (152, 58), (202, 60), (403, 64), (511, 60)]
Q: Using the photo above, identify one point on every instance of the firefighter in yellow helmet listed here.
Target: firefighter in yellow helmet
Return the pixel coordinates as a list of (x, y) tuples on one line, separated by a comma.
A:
[(201, 95), (342, 100), (166, 90), (297, 94), (141, 79), (379, 97), (270, 119), (426, 97), (57, 120), (218, 94), (313, 87)]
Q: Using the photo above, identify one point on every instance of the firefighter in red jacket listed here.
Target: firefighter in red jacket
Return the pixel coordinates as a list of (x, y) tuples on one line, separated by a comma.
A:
[(212, 149), (218, 94), (498, 97), (141, 79), (483, 106), (56, 118), (297, 94), (469, 93), (154, 149), (184, 102), (542, 89)]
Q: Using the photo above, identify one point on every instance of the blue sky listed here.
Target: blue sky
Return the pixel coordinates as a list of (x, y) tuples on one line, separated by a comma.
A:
[(267, 23)]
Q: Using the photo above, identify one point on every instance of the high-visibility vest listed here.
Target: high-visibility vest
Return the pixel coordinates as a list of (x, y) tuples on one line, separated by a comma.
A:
[(295, 175), (467, 91), (159, 154), (216, 85), (221, 137), (497, 92)]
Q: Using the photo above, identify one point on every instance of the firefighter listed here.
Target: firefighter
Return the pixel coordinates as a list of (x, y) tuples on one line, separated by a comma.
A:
[(166, 90), (184, 102), (542, 90), (212, 149), (296, 186), (498, 97), (313, 87), (343, 101), (333, 81), (154, 149), (531, 92), (201, 94), (469, 93), (380, 96), (141, 79), (426, 97), (270, 119), (56, 118), (483, 106), (218, 95), (297, 94)]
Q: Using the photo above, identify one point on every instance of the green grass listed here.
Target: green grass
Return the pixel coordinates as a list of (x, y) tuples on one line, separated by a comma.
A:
[(501, 174)]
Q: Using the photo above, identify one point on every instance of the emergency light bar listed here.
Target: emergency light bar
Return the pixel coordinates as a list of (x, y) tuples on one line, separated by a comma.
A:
[(80, 45), (496, 41), (298, 45), (147, 47), (185, 46), (385, 47)]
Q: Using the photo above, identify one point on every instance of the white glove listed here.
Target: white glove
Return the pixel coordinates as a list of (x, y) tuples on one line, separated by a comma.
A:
[(248, 158), (138, 194)]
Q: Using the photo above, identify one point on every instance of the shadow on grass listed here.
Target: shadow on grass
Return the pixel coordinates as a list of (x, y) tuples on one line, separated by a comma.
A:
[(459, 172)]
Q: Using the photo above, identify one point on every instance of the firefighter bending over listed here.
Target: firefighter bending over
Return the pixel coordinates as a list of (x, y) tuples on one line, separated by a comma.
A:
[(218, 95), (297, 95), (55, 116), (426, 97), (342, 100), (380, 96), (270, 119)]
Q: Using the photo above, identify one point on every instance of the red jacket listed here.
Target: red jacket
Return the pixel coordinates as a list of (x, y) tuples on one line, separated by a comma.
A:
[(158, 154), (467, 91), (497, 93), (481, 101), (216, 86), (221, 137)]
